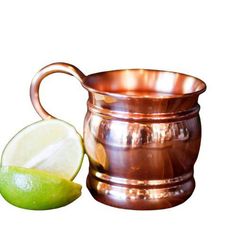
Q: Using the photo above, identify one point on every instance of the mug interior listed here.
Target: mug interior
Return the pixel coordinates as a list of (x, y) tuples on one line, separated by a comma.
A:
[(144, 83)]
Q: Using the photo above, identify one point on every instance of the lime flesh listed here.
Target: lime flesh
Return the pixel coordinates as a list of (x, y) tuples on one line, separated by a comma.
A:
[(51, 145)]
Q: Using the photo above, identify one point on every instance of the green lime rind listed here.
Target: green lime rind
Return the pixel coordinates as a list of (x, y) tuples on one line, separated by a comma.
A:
[(36, 189)]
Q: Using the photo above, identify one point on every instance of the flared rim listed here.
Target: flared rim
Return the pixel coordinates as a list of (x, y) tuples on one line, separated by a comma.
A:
[(122, 95)]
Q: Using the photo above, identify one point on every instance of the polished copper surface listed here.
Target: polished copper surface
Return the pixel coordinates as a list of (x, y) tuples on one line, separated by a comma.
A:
[(142, 134)]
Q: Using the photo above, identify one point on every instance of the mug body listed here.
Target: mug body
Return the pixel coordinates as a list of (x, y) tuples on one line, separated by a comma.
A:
[(141, 144)]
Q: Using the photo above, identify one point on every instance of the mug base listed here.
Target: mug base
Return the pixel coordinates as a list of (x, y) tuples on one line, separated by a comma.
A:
[(138, 197)]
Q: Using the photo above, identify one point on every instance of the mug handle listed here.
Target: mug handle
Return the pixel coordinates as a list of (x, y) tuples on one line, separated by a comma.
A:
[(58, 67)]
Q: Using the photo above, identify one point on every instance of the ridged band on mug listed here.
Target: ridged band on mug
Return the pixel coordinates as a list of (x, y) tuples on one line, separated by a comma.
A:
[(163, 117)]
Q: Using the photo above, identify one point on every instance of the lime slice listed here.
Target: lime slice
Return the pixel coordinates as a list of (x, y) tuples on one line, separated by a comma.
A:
[(36, 189), (51, 145)]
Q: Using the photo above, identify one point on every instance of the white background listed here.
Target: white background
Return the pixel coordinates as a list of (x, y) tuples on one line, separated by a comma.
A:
[(194, 37)]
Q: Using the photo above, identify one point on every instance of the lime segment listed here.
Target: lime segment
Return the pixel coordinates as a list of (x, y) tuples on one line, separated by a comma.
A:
[(51, 145), (36, 189)]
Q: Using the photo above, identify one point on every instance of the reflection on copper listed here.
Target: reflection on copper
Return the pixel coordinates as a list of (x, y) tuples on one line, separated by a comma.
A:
[(142, 134), (101, 155)]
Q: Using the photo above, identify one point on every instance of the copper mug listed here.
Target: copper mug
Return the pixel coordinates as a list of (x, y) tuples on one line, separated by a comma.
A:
[(142, 134)]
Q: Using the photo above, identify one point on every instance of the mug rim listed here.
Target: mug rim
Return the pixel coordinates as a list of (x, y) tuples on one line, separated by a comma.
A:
[(117, 94)]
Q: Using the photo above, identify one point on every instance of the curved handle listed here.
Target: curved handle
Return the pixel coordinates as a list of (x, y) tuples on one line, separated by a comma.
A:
[(58, 67)]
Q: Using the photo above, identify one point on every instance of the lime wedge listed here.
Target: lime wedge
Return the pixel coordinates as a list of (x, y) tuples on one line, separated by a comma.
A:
[(51, 145), (36, 189)]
